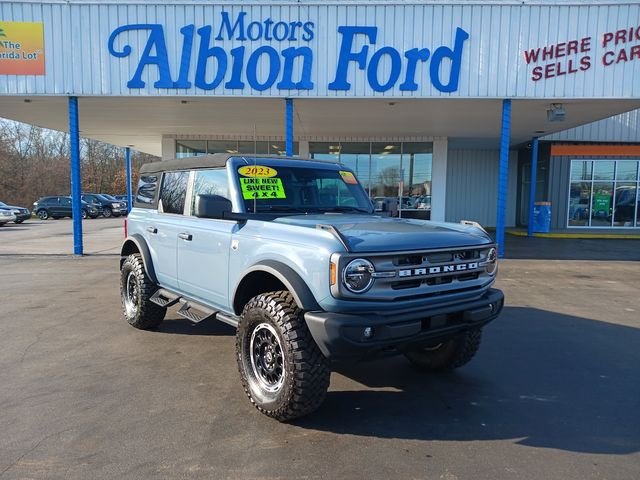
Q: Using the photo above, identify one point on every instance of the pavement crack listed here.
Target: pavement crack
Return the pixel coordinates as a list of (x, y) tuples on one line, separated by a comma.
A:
[(32, 449)]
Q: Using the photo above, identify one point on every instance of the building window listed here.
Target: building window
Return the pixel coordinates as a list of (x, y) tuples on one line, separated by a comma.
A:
[(604, 193), (385, 168), (190, 148), (194, 148)]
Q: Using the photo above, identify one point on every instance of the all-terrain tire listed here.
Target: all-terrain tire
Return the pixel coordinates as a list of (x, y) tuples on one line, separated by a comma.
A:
[(305, 371), (136, 288), (448, 355)]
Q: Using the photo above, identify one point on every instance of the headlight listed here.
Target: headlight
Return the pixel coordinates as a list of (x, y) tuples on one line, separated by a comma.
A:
[(357, 275), (491, 264), (115, 205)]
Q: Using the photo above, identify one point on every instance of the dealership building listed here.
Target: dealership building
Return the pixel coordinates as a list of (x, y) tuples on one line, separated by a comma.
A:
[(457, 109)]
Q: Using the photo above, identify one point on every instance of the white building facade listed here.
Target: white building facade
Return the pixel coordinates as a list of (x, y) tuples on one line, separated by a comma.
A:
[(411, 95)]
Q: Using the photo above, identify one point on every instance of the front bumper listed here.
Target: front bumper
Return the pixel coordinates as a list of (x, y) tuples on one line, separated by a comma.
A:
[(23, 216), (341, 336)]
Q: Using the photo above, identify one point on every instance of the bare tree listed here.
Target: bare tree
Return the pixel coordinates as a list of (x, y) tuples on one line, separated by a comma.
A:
[(34, 162)]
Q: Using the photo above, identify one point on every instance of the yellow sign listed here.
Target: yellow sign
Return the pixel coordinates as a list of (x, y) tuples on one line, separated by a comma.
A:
[(21, 48), (261, 188), (257, 171), (348, 177)]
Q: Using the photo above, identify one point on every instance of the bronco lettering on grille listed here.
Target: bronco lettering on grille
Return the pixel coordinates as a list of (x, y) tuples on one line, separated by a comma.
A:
[(416, 272)]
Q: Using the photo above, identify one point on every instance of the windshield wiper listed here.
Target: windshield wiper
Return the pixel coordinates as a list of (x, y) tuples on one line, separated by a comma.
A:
[(344, 209)]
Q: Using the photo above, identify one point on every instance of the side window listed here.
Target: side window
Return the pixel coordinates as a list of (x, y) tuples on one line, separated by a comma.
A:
[(210, 182), (147, 186), (174, 191), (66, 202)]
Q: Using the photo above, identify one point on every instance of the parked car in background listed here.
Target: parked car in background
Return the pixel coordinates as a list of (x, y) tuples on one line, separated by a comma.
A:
[(21, 214), (60, 206), (110, 206), (6, 216), (122, 199), (123, 203)]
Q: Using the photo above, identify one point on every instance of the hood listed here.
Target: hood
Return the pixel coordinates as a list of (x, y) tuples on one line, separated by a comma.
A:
[(371, 233)]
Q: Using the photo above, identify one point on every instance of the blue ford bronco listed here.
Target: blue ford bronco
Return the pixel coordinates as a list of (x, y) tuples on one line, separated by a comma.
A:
[(291, 253)]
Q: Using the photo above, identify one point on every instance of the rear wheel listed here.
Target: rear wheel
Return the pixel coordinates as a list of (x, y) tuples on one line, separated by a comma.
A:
[(136, 289), (448, 355), (42, 214), (283, 371)]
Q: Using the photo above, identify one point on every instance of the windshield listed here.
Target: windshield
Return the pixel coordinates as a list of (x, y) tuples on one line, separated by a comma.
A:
[(301, 190), (107, 197), (2, 204)]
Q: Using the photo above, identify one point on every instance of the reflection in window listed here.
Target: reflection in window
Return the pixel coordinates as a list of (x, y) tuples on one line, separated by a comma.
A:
[(603, 170), (194, 148), (147, 189), (385, 171), (190, 148), (625, 205), (581, 169), (597, 203), (210, 182), (627, 170), (174, 191), (579, 201)]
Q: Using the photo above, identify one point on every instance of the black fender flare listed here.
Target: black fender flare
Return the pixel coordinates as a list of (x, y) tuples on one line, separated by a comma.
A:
[(142, 247), (290, 279)]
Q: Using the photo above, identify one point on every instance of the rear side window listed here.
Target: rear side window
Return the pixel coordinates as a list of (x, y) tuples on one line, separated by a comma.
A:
[(147, 187), (174, 191), (210, 182)]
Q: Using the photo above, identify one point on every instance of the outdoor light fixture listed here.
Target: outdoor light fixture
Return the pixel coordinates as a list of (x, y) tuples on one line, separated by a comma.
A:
[(556, 113)]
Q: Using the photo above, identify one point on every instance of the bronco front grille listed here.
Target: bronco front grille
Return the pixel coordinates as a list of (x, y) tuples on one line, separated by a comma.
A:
[(425, 274)]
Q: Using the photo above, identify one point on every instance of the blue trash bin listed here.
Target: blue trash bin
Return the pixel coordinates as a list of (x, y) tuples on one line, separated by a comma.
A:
[(541, 217)]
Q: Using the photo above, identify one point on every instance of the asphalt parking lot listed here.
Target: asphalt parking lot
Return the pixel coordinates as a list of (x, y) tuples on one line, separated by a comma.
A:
[(553, 394)]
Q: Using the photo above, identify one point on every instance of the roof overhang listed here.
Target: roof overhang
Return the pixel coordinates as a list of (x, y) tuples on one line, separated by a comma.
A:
[(141, 122)]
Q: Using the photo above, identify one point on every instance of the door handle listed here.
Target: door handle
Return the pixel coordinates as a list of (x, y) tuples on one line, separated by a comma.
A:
[(185, 236), (153, 230)]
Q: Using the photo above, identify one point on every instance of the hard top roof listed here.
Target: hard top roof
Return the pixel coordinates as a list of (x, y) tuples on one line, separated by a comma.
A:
[(211, 161)]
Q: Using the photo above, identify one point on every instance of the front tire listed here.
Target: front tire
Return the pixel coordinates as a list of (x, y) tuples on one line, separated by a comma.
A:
[(448, 355), (136, 289), (283, 371), (42, 214), (107, 213), (84, 214)]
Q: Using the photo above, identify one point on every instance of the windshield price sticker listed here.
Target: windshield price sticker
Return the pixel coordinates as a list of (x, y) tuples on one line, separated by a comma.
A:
[(257, 171), (261, 188), (348, 177)]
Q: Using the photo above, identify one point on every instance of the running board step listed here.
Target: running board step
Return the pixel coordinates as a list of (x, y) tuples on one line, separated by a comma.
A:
[(195, 313), (164, 298)]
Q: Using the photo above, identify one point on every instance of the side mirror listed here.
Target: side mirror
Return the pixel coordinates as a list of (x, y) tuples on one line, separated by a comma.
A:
[(212, 206)]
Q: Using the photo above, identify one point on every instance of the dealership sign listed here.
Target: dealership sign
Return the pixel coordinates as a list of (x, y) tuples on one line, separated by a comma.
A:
[(21, 48), (574, 56), (277, 63)]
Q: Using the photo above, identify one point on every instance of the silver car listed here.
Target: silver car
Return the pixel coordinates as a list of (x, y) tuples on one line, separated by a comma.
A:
[(6, 216)]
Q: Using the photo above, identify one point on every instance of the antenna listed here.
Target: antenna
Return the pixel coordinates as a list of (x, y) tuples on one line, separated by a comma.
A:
[(255, 152)]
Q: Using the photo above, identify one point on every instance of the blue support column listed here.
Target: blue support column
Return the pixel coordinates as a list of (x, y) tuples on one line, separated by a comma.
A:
[(76, 186), (503, 175), (127, 156), (532, 185), (289, 126)]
